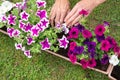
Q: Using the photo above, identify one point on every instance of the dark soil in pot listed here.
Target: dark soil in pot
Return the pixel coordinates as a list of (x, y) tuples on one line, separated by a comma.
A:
[(116, 72)]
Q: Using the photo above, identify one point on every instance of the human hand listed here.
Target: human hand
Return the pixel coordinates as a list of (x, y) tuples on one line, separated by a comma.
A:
[(73, 17), (59, 11)]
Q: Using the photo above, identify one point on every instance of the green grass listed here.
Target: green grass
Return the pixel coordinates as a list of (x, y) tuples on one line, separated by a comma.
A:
[(15, 66)]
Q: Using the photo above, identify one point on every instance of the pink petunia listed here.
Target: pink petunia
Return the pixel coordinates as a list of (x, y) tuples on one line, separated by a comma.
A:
[(92, 63), (74, 33), (84, 63), (105, 45), (73, 58), (99, 30), (86, 34), (72, 45)]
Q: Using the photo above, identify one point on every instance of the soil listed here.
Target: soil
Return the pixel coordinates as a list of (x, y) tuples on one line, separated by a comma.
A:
[(116, 72)]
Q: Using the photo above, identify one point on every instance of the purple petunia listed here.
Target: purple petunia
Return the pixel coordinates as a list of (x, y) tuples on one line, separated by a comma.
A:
[(30, 40), (11, 19), (105, 45), (106, 23), (18, 46), (99, 30), (44, 23), (35, 31), (78, 50), (16, 33), (24, 16), (105, 59), (92, 54), (74, 33), (41, 14), (92, 63), (45, 44), (10, 32), (91, 47), (41, 4), (27, 53), (112, 41), (63, 42), (86, 34), (100, 38), (80, 27), (86, 41), (21, 25), (84, 63), (27, 27)]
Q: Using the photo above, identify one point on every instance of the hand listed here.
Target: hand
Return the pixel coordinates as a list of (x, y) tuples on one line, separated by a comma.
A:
[(73, 17), (59, 11)]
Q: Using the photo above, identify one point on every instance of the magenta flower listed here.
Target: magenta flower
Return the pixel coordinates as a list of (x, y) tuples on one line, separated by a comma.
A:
[(41, 28), (116, 49), (41, 4), (92, 63), (16, 33), (27, 27), (44, 22), (63, 42), (58, 26), (86, 34), (35, 31), (41, 14), (84, 63), (27, 53), (21, 25), (99, 30), (18, 46), (105, 45), (45, 44), (73, 58), (10, 32), (30, 40), (11, 19), (24, 5), (112, 42), (74, 33), (83, 12), (4, 18), (106, 23), (24, 16), (72, 45)]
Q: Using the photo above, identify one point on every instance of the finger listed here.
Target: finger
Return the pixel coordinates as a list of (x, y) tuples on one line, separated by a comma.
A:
[(63, 14), (57, 18), (68, 22), (52, 19), (76, 20), (70, 14)]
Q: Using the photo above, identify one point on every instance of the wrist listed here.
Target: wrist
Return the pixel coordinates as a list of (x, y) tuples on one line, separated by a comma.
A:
[(98, 2)]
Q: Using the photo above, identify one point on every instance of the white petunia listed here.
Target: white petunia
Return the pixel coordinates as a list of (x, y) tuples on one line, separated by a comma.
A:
[(64, 28), (114, 60), (2, 10), (7, 6)]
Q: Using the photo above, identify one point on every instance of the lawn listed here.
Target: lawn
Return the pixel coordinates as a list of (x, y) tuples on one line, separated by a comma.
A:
[(15, 66)]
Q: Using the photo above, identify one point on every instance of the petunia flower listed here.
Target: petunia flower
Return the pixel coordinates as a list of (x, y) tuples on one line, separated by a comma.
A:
[(99, 30), (44, 22), (41, 14), (100, 38), (64, 28), (35, 31), (24, 16), (27, 27), (63, 42), (4, 19), (21, 25), (92, 63), (86, 34), (105, 59), (72, 45), (73, 58), (93, 54), (78, 50), (106, 23), (74, 33), (45, 44), (11, 19), (24, 5), (84, 63), (114, 60), (16, 33), (105, 45), (30, 40), (86, 41), (83, 12), (41, 4), (91, 47), (27, 53), (18, 46), (116, 49), (80, 27), (112, 41), (41, 28), (10, 32)]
